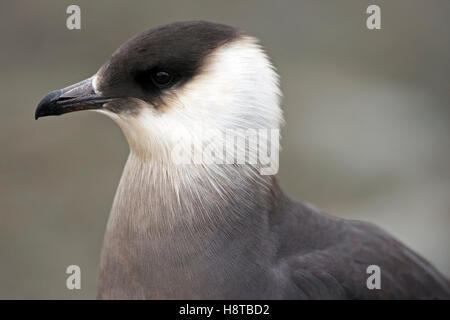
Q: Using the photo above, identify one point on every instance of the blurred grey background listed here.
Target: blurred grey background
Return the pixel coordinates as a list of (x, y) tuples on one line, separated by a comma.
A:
[(366, 136)]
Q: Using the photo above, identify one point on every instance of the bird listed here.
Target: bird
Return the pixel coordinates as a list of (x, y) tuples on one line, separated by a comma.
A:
[(218, 230)]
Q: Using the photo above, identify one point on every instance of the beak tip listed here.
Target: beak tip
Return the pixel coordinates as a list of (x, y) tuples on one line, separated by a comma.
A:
[(47, 106), (37, 115)]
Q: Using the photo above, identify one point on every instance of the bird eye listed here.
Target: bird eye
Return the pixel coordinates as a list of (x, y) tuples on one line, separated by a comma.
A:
[(162, 78)]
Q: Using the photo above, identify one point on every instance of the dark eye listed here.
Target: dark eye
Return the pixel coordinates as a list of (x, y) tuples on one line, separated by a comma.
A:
[(162, 78)]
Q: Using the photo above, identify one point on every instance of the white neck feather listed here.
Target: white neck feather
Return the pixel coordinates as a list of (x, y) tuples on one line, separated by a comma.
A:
[(237, 88)]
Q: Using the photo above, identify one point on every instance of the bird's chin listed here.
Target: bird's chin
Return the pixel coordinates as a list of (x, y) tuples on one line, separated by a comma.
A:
[(125, 107)]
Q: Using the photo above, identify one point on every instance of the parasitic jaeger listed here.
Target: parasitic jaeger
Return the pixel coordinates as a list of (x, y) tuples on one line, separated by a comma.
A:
[(219, 231)]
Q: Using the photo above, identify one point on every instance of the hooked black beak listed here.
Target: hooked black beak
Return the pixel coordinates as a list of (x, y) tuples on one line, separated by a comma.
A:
[(77, 97)]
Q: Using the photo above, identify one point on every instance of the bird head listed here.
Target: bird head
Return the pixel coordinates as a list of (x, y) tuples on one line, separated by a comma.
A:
[(178, 80)]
